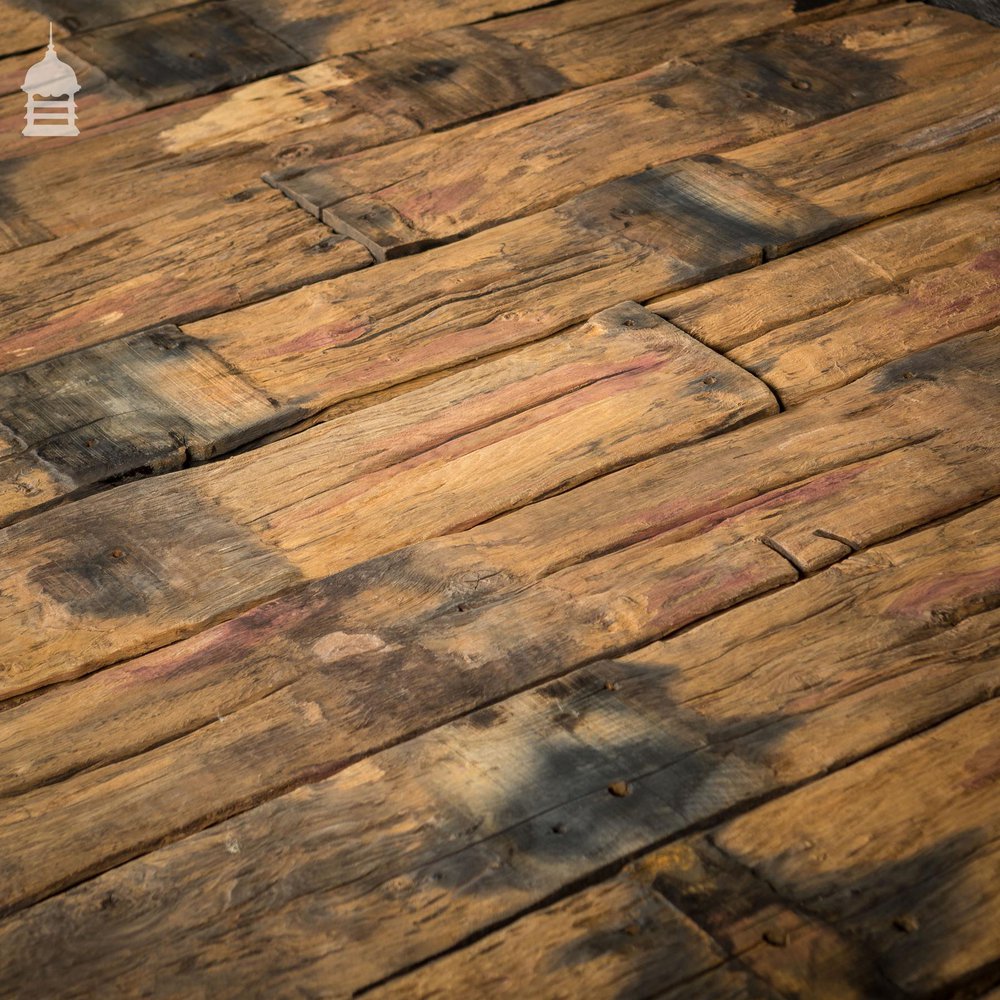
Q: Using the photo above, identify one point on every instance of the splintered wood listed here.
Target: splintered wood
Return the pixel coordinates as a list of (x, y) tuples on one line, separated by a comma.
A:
[(553, 552)]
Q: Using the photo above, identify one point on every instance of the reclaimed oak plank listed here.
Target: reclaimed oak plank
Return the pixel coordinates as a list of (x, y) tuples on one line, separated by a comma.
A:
[(402, 199), (833, 475), (738, 308), (826, 316), (185, 51), (23, 29), (910, 865), (174, 263), (401, 855), (435, 460), (619, 938)]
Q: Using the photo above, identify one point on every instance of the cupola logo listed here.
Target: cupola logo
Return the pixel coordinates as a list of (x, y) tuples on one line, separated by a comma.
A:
[(50, 78)]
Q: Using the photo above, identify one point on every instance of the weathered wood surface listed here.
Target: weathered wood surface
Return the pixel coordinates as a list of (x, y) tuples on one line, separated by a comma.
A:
[(358, 622), (283, 513), (736, 309), (619, 938), (218, 145), (23, 29), (824, 316), (909, 865), (794, 951), (462, 450), (191, 259), (401, 199), (366, 708), (186, 51), (403, 855)]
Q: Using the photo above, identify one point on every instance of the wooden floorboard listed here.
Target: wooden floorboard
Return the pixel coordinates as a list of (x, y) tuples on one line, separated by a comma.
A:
[(550, 546)]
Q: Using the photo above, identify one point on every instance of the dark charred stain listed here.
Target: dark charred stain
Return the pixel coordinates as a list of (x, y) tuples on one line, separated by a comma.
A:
[(19, 228), (812, 78), (486, 718), (430, 70), (670, 208), (185, 52), (87, 579), (662, 101), (325, 245), (241, 196), (120, 554), (804, 6), (102, 413)]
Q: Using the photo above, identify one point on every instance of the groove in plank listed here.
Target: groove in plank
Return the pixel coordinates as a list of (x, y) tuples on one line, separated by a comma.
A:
[(493, 813)]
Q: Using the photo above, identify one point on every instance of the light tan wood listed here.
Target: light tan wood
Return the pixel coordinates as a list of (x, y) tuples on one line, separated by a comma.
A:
[(883, 256), (180, 262), (401, 199)]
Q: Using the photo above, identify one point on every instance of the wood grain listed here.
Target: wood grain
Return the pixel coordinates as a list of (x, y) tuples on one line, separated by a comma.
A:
[(736, 309), (538, 422), (185, 51), (910, 866), (402, 855), (181, 262), (831, 476), (402, 199), (620, 938)]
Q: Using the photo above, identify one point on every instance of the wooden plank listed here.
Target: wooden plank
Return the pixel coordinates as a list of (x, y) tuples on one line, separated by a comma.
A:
[(18, 230), (97, 13), (797, 953), (540, 421), (936, 136), (590, 42), (910, 864), (736, 309), (154, 400), (438, 187), (834, 475), (175, 263), (834, 312), (402, 199), (403, 855), (317, 29), (619, 938), (351, 103), (184, 52)]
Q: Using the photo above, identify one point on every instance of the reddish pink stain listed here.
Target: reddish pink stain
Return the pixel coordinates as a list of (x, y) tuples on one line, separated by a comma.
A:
[(988, 261), (982, 769), (329, 335), (447, 200)]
